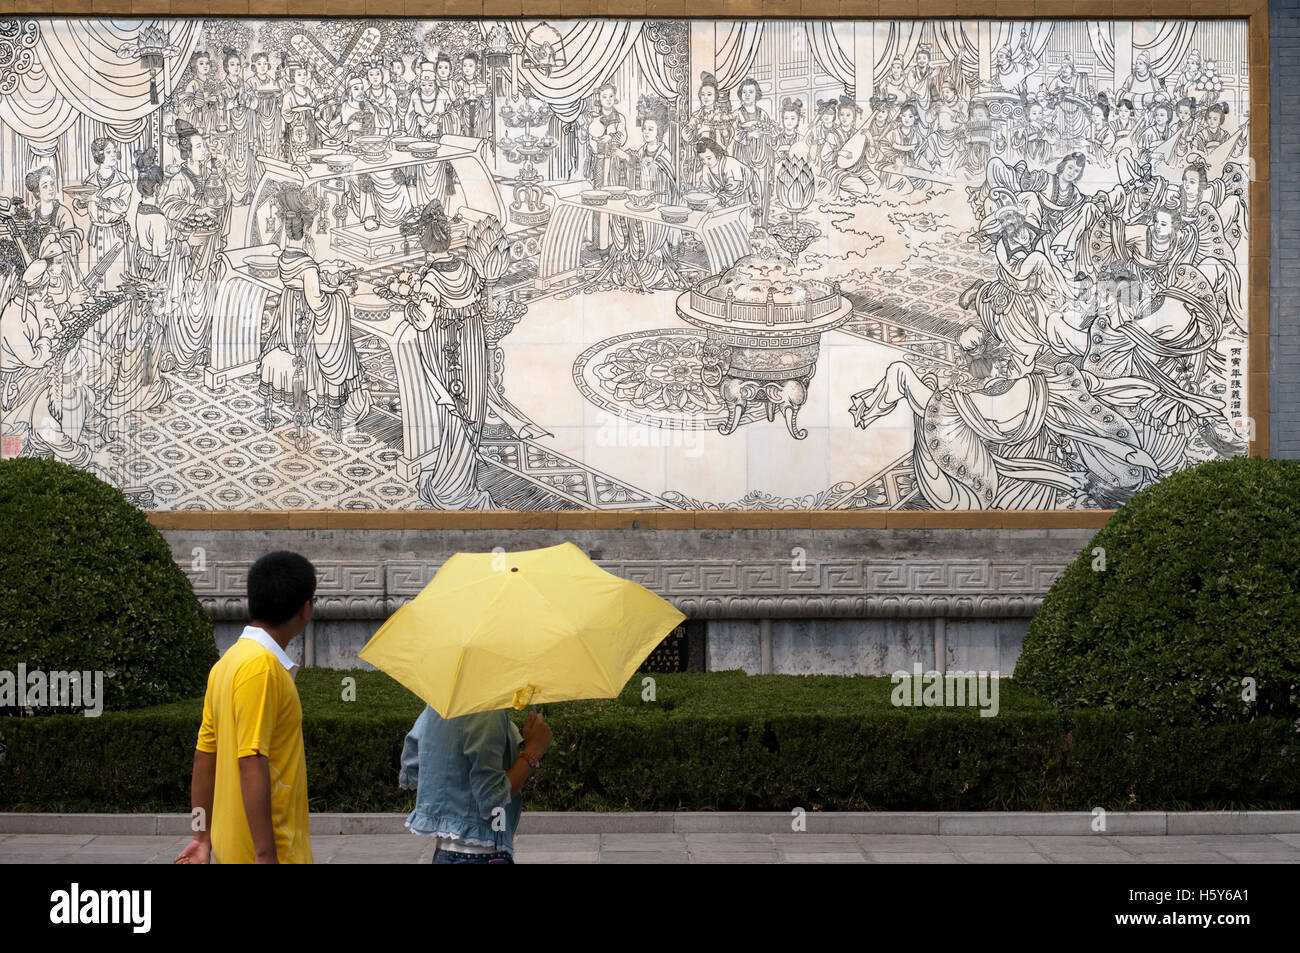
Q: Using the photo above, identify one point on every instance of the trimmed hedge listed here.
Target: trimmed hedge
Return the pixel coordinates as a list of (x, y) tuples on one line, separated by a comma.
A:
[(90, 585), (1201, 589), (717, 741)]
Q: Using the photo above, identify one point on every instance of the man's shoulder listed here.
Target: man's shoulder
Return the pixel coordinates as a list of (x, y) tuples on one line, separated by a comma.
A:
[(247, 658)]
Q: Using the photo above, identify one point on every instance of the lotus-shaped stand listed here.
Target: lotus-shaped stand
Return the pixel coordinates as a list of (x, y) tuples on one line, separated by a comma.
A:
[(794, 236), (795, 190)]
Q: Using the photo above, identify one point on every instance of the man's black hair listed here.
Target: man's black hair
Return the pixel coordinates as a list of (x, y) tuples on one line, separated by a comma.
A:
[(278, 584)]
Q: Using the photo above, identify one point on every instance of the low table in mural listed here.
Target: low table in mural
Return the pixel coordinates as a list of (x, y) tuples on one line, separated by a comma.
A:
[(465, 154), (235, 343), (383, 317), (724, 232)]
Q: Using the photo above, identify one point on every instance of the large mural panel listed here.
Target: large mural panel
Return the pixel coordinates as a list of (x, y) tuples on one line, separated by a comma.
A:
[(604, 264)]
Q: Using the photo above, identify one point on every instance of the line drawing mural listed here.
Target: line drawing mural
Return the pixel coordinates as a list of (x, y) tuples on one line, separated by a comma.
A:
[(611, 264)]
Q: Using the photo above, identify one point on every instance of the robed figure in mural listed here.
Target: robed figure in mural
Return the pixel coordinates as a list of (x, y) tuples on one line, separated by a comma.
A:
[(196, 203), (137, 345), (447, 311), (314, 325)]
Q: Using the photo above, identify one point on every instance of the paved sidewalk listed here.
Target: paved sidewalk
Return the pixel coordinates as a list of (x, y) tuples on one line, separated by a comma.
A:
[(688, 848)]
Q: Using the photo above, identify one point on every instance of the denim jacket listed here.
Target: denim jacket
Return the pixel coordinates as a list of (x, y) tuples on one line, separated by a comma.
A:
[(458, 768)]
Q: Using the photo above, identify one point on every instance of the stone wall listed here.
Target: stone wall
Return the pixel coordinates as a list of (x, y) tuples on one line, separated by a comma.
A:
[(851, 601)]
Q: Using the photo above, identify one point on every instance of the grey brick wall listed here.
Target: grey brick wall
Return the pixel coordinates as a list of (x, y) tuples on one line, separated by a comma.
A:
[(1284, 291)]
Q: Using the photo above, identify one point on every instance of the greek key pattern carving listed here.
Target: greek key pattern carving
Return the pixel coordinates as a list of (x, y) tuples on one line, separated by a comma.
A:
[(712, 589)]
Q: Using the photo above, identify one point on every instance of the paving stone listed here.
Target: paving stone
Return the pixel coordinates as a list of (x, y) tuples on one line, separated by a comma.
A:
[(823, 857), (397, 842), (1182, 857), (557, 857), (33, 857), (848, 841), (1001, 857), (971, 842), (735, 857), (169, 851), (25, 841), (1067, 842), (907, 857), (731, 842), (644, 857), (1241, 841), (78, 860), (908, 843), (1158, 844), (629, 822), (557, 842), (368, 857), (1218, 822), (749, 822), (1260, 856), (1094, 855), (1071, 822), (715, 847), (642, 841)]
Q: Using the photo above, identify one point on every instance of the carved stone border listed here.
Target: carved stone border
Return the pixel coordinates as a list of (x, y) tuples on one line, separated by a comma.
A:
[(710, 589)]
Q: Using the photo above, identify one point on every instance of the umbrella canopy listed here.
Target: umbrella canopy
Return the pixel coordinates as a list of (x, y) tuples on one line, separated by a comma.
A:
[(495, 630)]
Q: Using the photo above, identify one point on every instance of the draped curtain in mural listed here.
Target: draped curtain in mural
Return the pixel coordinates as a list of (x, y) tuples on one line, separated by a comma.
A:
[(654, 68), (831, 43), (1167, 50), (958, 40), (79, 87), (78, 70), (593, 49), (736, 52)]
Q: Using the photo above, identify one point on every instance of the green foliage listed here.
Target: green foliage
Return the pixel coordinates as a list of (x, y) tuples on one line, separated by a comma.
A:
[(1201, 589), (88, 584), (719, 741)]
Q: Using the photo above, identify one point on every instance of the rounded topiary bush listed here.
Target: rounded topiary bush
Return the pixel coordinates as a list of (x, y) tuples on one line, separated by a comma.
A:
[(1200, 590), (88, 584)]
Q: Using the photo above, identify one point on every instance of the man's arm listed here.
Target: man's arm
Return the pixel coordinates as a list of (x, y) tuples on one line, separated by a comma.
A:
[(255, 786), (202, 784)]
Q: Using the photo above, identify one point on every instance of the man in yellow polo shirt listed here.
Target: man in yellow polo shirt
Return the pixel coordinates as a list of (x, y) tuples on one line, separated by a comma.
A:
[(250, 771)]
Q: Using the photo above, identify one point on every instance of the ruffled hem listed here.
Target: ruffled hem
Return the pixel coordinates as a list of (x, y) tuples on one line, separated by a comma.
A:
[(441, 826), (452, 836)]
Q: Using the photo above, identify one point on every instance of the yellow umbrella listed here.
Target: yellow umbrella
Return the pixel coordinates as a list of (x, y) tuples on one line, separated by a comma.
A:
[(495, 630)]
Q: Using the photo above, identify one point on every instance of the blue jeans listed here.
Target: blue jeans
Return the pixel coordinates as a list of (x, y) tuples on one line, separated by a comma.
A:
[(441, 856)]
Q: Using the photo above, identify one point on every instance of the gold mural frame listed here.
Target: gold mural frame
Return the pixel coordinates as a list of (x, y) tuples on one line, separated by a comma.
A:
[(1255, 11)]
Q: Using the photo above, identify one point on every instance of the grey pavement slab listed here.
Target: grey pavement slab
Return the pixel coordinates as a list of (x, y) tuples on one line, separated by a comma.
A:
[(644, 857), (647, 842), (736, 857), (969, 823), (907, 857), (722, 843), (669, 848), (557, 842), (1001, 857), (1094, 855), (823, 857), (1065, 822), (904, 843), (557, 857), (973, 842), (1226, 822), (1183, 857)]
